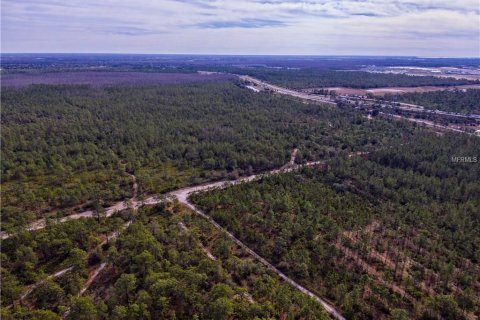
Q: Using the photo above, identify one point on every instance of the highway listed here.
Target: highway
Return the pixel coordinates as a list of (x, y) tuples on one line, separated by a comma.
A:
[(285, 91), (353, 99)]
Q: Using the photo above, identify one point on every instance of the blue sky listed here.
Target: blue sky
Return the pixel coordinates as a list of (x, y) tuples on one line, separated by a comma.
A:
[(351, 27)]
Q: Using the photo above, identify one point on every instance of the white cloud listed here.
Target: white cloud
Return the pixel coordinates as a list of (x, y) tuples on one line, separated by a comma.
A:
[(421, 27)]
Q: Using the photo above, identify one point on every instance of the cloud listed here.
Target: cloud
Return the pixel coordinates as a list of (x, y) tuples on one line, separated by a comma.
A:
[(130, 31), (420, 27), (243, 23)]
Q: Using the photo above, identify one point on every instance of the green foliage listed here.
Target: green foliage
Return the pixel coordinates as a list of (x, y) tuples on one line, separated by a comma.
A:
[(48, 295), (407, 212), (124, 287), (221, 308), (83, 308), (11, 288), (349, 231), (182, 282)]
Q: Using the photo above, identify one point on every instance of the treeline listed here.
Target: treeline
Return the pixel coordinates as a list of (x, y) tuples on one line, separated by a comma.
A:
[(461, 101), (395, 236), (64, 146), (156, 269), (314, 78)]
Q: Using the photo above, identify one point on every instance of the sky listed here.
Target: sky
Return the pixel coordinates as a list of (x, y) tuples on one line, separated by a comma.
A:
[(428, 28)]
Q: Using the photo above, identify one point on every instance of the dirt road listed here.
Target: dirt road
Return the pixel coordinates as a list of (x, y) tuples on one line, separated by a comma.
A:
[(119, 206), (181, 194)]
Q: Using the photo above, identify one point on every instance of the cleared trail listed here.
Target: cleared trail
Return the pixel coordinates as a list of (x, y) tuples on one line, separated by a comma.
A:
[(328, 307), (204, 249), (92, 276), (119, 206), (112, 237), (32, 287)]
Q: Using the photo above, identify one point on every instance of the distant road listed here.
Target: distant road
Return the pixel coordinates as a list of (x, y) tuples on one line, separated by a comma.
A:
[(425, 122), (403, 106), (285, 91)]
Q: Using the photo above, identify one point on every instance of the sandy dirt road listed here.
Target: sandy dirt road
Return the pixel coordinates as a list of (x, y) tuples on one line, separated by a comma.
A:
[(182, 193)]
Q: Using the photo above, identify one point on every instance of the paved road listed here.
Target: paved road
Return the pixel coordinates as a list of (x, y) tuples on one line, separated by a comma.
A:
[(422, 109), (289, 92), (425, 122), (307, 96)]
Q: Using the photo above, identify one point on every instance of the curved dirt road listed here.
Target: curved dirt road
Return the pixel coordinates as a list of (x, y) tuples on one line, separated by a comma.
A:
[(182, 193)]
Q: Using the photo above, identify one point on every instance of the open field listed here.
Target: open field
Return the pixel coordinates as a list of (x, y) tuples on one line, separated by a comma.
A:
[(471, 73)]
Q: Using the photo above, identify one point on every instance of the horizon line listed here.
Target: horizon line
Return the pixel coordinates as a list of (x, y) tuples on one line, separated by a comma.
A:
[(240, 55)]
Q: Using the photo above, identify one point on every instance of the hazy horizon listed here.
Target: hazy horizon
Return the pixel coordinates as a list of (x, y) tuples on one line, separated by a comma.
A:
[(279, 55)]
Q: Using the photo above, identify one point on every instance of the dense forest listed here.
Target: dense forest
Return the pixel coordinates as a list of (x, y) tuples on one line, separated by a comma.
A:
[(70, 146), (392, 234), (168, 264), (388, 228), (461, 101), (314, 78)]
